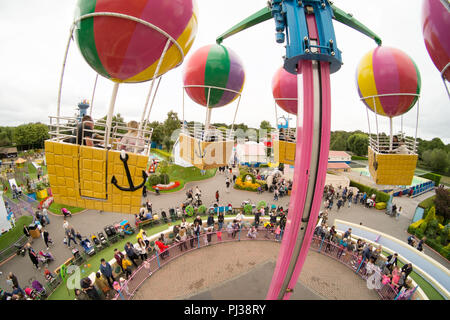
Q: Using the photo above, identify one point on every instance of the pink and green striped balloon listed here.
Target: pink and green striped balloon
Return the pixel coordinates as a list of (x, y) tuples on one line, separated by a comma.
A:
[(390, 72), (214, 66), (128, 51)]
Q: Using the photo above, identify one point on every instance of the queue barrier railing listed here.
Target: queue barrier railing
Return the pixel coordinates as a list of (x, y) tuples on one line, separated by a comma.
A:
[(158, 260)]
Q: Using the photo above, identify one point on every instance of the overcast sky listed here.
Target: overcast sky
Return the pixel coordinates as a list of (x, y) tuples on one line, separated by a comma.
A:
[(34, 34)]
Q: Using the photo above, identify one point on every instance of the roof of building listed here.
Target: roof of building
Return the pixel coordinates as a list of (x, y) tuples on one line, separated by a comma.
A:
[(338, 165), (8, 150), (338, 154)]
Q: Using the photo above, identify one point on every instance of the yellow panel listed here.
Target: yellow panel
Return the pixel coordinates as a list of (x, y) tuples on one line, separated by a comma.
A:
[(98, 205), (98, 165), (57, 149), (126, 200), (70, 192), (98, 154), (116, 200), (86, 164), (48, 147), (117, 208), (98, 187), (50, 159), (107, 207), (97, 176), (142, 162), (126, 209), (59, 160), (61, 181), (86, 175)]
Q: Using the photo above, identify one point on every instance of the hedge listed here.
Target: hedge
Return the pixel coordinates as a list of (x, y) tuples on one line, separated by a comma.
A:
[(433, 177), (427, 203), (380, 196), (163, 153), (359, 158)]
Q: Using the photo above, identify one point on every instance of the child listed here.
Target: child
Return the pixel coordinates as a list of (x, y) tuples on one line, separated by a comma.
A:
[(277, 233), (126, 266), (229, 229), (219, 235)]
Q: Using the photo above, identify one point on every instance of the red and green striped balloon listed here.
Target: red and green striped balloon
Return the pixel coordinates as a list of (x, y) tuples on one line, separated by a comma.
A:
[(214, 66), (127, 51), (391, 79)]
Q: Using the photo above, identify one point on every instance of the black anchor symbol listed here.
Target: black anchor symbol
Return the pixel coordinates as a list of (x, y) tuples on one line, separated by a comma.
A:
[(130, 180), (199, 154)]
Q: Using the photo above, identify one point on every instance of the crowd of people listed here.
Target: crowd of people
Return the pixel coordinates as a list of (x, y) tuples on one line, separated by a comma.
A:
[(379, 270)]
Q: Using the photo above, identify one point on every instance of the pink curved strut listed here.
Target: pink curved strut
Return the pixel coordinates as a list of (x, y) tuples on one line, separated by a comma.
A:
[(301, 177), (287, 263), (321, 173)]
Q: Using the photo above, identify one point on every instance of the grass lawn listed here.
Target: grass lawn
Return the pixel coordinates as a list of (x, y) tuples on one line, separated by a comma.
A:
[(9, 238), (445, 180), (427, 203), (184, 175), (56, 208), (32, 172)]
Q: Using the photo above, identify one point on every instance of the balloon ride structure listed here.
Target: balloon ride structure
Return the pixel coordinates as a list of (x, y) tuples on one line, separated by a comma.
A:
[(125, 42), (285, 93), (388, 83), (213, 77), (312, 55), (435, 28)]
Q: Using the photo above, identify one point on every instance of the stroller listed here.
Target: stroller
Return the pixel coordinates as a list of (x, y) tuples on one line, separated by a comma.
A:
[(97, 242), (45, 258), (164, 216), (66, 212), (111, 233), (32, 294), (88, 247), (102, 238), (39, 288), (49, 277), (126, 226)]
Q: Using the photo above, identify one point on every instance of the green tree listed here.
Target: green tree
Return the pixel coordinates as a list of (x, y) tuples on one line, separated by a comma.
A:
[(442, 203), (171, 123), (31, 135), (436, 159), (358, 143), (158, 132), (265, 125)]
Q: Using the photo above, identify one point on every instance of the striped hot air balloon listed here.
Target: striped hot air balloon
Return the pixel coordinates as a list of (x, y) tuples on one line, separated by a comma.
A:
[(391, 72), (124, 50), (284, 89), (214, 66), (436, 28)]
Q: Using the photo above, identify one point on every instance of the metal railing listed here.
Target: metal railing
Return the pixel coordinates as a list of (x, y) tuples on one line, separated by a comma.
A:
[(65, 129), (288, 135), (209, 135), (159, 260), (381, 144)]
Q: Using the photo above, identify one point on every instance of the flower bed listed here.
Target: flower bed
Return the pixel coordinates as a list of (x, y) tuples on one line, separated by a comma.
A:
[(170, 186)]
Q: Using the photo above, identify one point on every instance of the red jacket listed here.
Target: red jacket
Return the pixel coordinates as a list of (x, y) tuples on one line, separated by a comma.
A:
[(161, 246)]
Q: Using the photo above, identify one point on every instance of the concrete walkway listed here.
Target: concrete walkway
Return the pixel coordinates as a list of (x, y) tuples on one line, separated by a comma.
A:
[(92, 221)]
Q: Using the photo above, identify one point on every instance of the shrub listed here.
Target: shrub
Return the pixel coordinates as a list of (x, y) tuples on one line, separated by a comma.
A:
[(432, 228), (248, 208), (433, 177), (164, 178), (201, 209), (444, 235), (261, 204), (189, 210), (380, 196), (419, 233), (358, 158), (153, 180), (431, 215), (445, 252)]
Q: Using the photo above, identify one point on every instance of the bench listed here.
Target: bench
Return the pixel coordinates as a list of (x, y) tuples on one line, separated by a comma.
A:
[(66, 263)]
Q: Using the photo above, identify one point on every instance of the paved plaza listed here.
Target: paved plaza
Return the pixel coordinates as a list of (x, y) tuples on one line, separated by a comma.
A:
[(92, 221)]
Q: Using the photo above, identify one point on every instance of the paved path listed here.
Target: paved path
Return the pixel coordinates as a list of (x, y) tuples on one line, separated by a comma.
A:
[(91, 221), (243, 271)]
